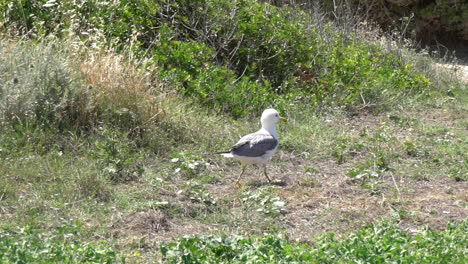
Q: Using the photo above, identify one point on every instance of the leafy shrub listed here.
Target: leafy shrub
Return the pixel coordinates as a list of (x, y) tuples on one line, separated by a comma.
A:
[(359, 74), (250, 38), (188, 65), (218, 48), (117, 21), (61, 245), (235, 56)]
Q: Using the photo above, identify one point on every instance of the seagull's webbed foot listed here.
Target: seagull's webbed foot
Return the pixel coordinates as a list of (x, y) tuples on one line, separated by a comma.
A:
[(266, 174), (273, 181), (237, 184)]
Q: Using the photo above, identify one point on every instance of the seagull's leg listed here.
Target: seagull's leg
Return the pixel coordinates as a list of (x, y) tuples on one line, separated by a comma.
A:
[(242, 172), (265, 172)]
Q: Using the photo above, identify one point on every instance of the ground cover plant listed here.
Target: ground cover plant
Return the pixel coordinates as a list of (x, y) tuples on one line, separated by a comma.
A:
[(110, 115), (379, 243), (28, 245)]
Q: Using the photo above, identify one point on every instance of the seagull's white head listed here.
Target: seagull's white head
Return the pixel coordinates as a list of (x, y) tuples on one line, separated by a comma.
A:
[(270, 117)]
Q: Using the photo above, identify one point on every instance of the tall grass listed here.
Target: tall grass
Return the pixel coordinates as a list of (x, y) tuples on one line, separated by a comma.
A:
[(53, 87)]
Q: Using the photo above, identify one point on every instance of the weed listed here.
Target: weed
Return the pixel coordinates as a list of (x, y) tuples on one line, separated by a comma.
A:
[(188, 165), (310, 182), (263, 201), (415, 150), (402, 120), (345, 149), (198, 194), (311, 169), (368, 179), (117, 158), (459, 172)]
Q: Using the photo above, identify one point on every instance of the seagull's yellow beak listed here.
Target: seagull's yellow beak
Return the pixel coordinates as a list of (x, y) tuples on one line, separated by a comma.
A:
[(283, 119)]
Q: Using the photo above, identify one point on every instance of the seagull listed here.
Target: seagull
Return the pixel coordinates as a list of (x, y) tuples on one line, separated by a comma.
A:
[(257, 148)]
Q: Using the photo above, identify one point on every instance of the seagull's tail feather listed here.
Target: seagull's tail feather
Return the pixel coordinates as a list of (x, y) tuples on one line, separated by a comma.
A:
[(226, 154)]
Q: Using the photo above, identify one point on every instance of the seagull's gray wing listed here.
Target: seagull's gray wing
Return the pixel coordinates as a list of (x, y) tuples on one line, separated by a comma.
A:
[(254, 145)]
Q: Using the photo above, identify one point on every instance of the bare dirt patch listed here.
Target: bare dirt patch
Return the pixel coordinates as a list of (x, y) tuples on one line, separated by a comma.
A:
[(149, 222)]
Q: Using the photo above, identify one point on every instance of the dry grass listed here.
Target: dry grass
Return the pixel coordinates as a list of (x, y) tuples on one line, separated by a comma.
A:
[(123, 85)]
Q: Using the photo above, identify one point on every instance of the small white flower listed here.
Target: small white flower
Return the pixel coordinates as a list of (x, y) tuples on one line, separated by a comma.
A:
[(279, 203), (175, 160), (177, 170), (111, 169), (191, 166)]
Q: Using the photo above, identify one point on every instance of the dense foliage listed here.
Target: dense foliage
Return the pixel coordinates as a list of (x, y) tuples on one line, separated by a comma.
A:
[(233, 56)]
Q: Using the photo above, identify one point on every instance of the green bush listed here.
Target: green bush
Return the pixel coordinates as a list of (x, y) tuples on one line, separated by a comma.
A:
[(216, 48), (256, 40), (116, 21), (235, 56)]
